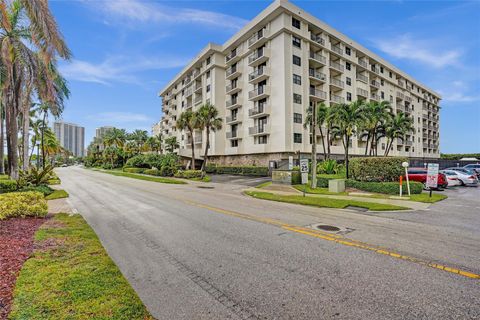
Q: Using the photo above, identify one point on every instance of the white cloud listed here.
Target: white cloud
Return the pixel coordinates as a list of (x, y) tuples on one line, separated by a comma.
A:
[(135, 11), (460, 97), (120, 117), (117, 68), (422, 51), (458, 92)]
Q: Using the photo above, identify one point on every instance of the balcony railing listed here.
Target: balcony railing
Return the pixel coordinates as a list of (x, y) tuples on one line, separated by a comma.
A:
[(258, 129), (230, 119), (257, 111), (401, 83), (362, 78), (233, 103), (196, 73), (257, 92), (337, 83), (257, 36), (337, 66), (362, 92), (197, 86), (318, 39), (337, 99), (318, 57), (232, 70), (318, 93), (375, 69), (189, 92), (363, 63), (231, 55), (198, 100), (337, 49), (375, 83), (373, 96), (257, 73), (317, 75), (408, 99), (232, 86), (232, 135), (400, 95)]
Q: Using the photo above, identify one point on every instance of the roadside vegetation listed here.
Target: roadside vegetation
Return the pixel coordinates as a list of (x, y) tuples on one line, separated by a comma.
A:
[(70, 276), (143, 177), (57, 194)]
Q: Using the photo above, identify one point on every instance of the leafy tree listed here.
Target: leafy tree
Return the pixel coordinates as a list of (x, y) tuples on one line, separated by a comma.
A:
[(171, 144), (188, 120), (209, 121)]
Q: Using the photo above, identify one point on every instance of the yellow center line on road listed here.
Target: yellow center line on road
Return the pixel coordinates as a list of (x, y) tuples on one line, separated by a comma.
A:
[(332, 237)]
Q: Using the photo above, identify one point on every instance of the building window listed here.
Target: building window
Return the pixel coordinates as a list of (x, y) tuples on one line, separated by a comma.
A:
[(348, 51), (297, 79), (209, 60), (390, 74), (234, 143), (296, 23), (296, 42), (208, 74), (262, 140), (382, 82), (297, 61), (297, 118), (349, 81), (297, 138), (208, 88), (381, 69), (348, 66), (297, 98), (382, 95), (349, 96)]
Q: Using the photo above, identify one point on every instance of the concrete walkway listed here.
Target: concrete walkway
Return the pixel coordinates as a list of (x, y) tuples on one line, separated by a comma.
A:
[(290, 191)]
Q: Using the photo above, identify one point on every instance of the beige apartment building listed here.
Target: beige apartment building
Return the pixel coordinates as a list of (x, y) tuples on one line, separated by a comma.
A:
[(264, 78)]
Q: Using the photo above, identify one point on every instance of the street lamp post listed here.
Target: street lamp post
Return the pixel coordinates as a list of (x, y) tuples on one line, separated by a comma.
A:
[(405, 165)]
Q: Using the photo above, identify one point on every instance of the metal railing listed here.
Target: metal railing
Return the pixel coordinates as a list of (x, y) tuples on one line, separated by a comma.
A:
[(318, 57), (362, 77), (337, 66), (318, 39), (317, 75), (337, 83), (318, 93)]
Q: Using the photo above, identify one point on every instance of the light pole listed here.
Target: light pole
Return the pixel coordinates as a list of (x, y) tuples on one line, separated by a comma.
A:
[(405, 165)]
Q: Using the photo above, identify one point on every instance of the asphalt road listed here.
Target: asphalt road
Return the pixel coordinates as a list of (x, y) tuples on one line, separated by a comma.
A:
[(193, 253)]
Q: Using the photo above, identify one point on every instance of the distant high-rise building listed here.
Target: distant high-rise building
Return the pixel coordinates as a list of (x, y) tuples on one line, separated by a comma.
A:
[(100, 132), (71, 137)]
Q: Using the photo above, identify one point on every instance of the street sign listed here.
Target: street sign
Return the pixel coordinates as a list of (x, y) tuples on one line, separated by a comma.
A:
[(432, 176), (304, 165), (290, 163), (304, 177)]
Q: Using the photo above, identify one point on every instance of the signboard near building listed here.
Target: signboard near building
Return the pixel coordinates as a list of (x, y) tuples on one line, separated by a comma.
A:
[(432, 176), (304, 170)]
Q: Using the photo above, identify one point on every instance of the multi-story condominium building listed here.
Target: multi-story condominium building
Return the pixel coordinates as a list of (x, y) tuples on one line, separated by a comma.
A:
[(71, 137), (100, 132), (267, 75)]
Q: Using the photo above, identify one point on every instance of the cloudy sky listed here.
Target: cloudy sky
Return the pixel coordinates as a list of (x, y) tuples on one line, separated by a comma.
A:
[(125, 51)]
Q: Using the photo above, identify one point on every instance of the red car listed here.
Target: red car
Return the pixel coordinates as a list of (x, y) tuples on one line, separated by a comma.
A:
[(420, 175)]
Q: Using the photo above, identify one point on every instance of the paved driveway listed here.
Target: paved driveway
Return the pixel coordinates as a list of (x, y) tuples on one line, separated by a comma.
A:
[(195, 253), (239, 180)]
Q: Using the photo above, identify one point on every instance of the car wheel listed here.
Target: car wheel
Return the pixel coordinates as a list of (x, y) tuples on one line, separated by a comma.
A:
[(425, 186), (462, 183)]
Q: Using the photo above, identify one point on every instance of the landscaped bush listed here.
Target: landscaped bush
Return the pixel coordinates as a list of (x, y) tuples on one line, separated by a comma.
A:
[(22, 204), (44, 189), (7, 186), (138, 161), (296, 177), (152, 172), (167, 164), (377, 169), (189, 174), (239, 170), (4, 177), (329, 166), (134, 170), (384, 187)]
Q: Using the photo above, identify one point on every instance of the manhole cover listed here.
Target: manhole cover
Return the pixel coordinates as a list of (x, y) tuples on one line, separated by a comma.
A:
[(205, 187), (327, 228)]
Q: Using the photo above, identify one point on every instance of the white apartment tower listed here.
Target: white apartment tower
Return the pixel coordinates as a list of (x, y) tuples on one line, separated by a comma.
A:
[(265, 77), (71, 137)]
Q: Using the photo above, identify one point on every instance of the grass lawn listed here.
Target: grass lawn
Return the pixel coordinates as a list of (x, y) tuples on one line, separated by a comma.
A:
[(143, 177), (425, 197), (53, 181), (263, 185), (308, 189), (70, 276), (324, 202), (57, 194), (204, 179)]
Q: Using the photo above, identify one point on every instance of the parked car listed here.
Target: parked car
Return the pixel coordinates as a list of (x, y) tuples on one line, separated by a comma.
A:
[(467, 177), (474, 167), (420, 175), (452, 178)]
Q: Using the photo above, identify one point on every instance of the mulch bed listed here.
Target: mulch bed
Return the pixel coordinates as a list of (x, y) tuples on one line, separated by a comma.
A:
[(16, 245)]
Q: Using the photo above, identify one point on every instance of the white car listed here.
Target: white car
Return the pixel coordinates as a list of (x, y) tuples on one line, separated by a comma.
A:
[(452, 178), (466, 177)]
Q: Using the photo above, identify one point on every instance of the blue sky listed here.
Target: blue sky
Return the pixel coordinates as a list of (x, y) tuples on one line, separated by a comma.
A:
[(125, 51)]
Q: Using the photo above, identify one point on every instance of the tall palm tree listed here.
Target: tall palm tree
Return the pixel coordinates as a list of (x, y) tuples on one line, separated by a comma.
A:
[(152, 144), (375, 115), (346, 117), (2, 139), (115, 137), (139, 137), (188, 120), (171, 144), (208, 120), (397, 127), (310, 122)]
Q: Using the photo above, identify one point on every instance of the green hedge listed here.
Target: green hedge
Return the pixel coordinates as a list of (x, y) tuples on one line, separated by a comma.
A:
[(45, 190), (7, 186), (4, 177), (189, 174), (22, 204), (134, 170), (151, 172), (384, 187), (377, 169), (239, 170)]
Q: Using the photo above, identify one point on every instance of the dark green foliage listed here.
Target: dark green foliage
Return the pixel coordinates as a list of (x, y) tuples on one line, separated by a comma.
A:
[(46, 190), (138, 161), (240, 170), (377, 169), (152, 172), (4, 177), (35, 177), (8, 186), (458, 156), (189, 174), (107, 166), (134, 170), (167, 164), (384, 187), (296, 177)]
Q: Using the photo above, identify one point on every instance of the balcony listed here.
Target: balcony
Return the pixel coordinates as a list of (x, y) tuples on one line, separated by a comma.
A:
[(401, 83), (317, 39), (374, 96), (400, 107), (198, 100), (337, 66), (233, 56), (399, 142), (233, 103), (232, 119), (258, 75), (408, 99), (259, 93), (400, 96), (318, 76), (375, 84), (337, 49), (337, 99), (189, 92), (426, 145), (232, 135), (197, 87), (258, 130), (337, 83), (361, 92), (198, 139), (258, 111), (258, 57), (361, 77), (233, 88), (196, 73), (258, 38), (363, 63), (317, 94), (232, 72), (318, 58), (375, 69)]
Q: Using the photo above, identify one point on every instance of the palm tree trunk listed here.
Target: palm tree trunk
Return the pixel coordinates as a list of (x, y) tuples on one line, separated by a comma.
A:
[(207, 146), (12, 141), (368, 140), (345, 146), (314, 148), (2, 142), (328, 143), (323, 143), (43, 138), (26, 138), (192, 144)]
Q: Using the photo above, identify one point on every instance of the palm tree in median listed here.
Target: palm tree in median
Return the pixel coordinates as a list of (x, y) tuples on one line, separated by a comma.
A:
[(346, 117), (397, 127), (188, 121), (209, 120)]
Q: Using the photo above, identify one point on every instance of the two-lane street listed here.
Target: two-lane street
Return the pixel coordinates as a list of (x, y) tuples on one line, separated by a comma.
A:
[(213, 253)]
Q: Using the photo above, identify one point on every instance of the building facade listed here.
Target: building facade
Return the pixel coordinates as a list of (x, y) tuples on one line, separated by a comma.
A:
[(100, 132), (266, 76), (71, 137)]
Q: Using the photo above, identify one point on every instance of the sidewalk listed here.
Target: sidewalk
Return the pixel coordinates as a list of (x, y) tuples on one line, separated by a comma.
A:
[(290, 191)]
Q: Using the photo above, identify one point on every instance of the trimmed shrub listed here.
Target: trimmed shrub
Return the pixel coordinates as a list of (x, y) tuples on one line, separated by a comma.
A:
[(296, 177), (134, 170), (44, 189), (239, 170), (7, 186), (152, 172), (138, 161), (22, 204), (4, 177), (384, 187), (376, 169), (189, 174)]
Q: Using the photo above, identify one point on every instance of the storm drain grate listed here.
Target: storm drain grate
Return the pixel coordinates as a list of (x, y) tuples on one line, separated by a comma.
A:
[(205, 187), (327, 228)]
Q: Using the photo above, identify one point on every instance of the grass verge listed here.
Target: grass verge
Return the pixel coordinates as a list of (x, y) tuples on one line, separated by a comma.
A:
[(263, 185), (52, 182), (324, 202), (425, 197), (308, 189), (144, 177), (70, 276), (57, 194)]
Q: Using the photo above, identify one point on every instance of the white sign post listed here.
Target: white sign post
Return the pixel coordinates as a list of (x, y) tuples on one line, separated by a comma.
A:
[(405, 165), (432, 176), (290, 162), (304, 173)]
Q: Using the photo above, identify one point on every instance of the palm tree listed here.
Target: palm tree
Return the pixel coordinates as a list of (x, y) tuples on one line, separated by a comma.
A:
[(346, 117), (397, 127), (188, 120), (310, 122), (2, 139), (152, 144), (375, 115), (139, 137), (210, 121), (115, 137), (171, 144)]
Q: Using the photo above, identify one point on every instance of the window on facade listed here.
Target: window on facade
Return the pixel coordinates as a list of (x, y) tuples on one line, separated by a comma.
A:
[(208, 74), (349, 96), (381, 69), (183, 93), (382, 82), (348, 51), (297, 118), (209, 60), (296, 42), (349, 81), (262, 140), (297, 98), (297, 138), (348, 66), (382, 95), (296, 23), (297, 79), (297, 61), (208, 88), (234, 143), (390, 74)]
